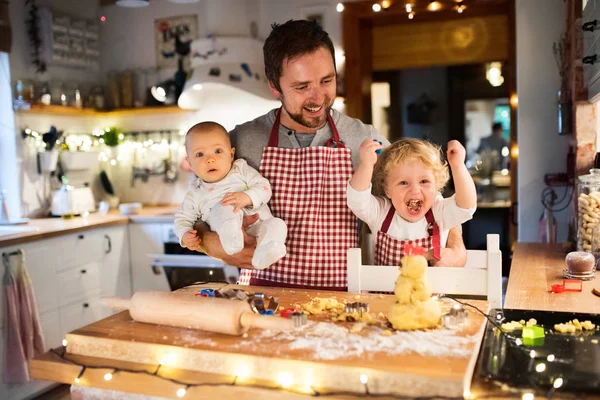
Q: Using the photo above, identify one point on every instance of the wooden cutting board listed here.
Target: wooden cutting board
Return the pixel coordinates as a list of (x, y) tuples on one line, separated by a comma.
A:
[(322, 354)]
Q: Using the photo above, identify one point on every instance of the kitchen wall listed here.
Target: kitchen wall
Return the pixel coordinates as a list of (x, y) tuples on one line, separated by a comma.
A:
[(433, 82), (541, 149)]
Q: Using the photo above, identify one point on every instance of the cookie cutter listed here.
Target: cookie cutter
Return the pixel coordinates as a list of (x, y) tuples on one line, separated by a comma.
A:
[(299, 318), (234, 294), (285, 313), (360, 308), (568, 285), (456, 317), (206, 293), (257, 302)]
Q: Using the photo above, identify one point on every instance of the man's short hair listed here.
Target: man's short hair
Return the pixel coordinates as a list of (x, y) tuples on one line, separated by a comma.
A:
[(292, 39), (497, 126)]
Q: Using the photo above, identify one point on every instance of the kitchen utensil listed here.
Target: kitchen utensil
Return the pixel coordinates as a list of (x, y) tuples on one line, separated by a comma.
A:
[(205, 313), (130, 208)]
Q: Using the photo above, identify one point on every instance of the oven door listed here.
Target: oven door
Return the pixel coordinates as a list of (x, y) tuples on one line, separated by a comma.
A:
[(185, 269)]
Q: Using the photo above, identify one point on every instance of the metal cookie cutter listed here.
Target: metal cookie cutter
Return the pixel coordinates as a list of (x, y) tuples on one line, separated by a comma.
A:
[(234, 294), (455, 318), (257, 302), (299, 318), (360, 308)]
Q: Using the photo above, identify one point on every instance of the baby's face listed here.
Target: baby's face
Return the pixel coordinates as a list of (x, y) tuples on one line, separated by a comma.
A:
[(210, 155), (411, 188)]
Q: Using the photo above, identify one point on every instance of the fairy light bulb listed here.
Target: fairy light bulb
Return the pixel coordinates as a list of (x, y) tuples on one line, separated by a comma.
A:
[(376, 7), (76, 380), (339, 7), (434, 6), (108, 377), (541, 367), (364, 379), (411, 15), (285, 379), (558, 382), (408, 7), (532, 354), (527, 396), (64, 342), (386, 4), (181, 392), (550, 357)]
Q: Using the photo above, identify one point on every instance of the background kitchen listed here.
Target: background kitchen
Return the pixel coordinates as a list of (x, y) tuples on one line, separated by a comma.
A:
[(103, 77)]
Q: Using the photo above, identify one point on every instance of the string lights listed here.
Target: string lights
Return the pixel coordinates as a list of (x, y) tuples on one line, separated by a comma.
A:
[(285, 380)]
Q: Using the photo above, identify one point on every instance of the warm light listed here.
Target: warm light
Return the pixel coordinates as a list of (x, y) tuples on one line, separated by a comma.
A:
[(210, 272), (243, 372), (339, 7), (541, 367), (285, 379), (518, 342), (550, 357), (494, 73), (527, 396), (411, 15), (76, 380), (532, 354), (180, 392), (504, 171), (108, 377), (515, 151), (434, 6), (504, 151), (364, 379), (64, 342), (558, 382), (197, 86), (386, 4), (514, 100), (460, 9), (376, 7), (113, 162), (408, 8), (121, 136)]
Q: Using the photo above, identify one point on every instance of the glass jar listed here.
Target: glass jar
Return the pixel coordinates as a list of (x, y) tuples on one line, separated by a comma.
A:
[(588, 208)]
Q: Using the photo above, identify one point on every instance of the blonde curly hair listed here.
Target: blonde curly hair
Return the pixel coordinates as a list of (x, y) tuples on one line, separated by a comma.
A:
[(407, 149)]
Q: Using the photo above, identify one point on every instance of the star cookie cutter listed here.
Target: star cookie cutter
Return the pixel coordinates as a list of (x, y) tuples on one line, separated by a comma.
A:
[(455, 318), (358, 307)]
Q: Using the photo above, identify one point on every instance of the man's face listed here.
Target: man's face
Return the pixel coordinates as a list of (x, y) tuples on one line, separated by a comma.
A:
[(308, 88)]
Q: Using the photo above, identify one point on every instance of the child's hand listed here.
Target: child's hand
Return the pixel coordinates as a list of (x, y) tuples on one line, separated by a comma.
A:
[(190, 240), (367, 151), (456, 153), (238, 200)]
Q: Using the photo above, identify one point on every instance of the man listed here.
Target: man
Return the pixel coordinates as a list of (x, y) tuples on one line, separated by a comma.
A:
[(494, 142), (308, 152)]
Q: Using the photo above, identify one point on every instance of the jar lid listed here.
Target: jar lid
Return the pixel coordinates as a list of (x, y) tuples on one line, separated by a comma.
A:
[(592, 177)]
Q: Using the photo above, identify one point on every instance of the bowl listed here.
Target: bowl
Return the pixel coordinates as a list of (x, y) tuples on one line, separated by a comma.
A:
[(130, 208)]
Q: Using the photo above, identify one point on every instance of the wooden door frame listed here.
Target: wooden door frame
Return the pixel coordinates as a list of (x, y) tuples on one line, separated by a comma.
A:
[(358, 20)]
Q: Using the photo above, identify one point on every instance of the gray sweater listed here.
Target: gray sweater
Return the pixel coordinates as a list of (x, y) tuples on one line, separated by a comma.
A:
[(250, 138)]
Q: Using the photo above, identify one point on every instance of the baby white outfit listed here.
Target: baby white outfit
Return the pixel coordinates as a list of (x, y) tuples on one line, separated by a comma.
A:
[(203, 201)]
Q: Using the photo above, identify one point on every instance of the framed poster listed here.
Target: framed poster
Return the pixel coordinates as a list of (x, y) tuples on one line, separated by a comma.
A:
[(173, 36)]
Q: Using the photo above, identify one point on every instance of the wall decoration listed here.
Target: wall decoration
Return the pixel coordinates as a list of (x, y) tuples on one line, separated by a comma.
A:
[(315, 13), (173, 37)]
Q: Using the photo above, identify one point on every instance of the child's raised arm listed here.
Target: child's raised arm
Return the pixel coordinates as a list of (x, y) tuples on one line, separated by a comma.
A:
[(361, 180), (466, 194)]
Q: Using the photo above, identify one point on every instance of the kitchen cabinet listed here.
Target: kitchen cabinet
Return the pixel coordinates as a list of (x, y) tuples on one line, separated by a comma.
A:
[(590, 25), (69, 274), (148, 238)]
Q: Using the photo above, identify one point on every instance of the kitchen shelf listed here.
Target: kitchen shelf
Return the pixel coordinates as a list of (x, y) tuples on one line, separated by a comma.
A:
[(72, 111)]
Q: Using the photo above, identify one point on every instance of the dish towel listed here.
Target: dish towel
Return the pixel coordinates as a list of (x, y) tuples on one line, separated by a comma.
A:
[(23, 338)]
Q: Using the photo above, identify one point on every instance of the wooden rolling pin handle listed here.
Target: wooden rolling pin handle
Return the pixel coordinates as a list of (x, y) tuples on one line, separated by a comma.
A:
[(116, 303), (248, 320)]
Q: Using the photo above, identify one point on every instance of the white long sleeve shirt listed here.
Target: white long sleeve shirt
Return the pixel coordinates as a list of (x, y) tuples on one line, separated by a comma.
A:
[(203, 196), (372, 210)]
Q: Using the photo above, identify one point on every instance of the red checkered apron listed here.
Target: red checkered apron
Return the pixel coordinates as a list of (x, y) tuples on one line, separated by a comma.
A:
[(389, 251), (309, 194)]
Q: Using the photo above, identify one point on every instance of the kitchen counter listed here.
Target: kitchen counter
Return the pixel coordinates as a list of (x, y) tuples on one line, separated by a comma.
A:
[(51, 227), (534, 269)]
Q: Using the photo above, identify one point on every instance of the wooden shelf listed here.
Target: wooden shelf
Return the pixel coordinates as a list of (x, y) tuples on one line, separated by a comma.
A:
[(72, 111)]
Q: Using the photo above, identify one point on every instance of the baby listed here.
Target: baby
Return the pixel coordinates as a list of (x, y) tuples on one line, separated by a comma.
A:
[(411, 174), (226, 191)]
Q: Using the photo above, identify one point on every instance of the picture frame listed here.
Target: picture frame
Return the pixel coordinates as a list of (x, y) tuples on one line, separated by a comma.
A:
[(316, 13), (166, 31)]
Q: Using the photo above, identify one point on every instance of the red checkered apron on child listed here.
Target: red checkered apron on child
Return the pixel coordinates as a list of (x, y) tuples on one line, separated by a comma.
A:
[(309, 194), (389, 251)]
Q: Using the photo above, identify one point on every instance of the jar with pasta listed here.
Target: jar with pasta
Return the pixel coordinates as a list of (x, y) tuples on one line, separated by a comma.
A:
[(588, 208)]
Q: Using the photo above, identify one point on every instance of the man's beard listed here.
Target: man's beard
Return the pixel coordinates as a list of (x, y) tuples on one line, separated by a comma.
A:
[(311, 123)]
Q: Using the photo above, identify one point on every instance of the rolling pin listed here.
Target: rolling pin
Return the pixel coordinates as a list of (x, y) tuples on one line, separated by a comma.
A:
[(209, 314)]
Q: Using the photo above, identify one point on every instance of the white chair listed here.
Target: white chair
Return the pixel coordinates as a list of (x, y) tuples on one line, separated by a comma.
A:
[(481, 276)]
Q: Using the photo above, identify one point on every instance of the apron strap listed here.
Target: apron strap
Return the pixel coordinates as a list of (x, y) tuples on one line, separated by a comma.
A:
[(274, 137), (388, 220), (433, 226)]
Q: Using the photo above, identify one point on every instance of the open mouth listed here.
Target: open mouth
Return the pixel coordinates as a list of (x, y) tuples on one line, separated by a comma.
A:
[(414, 206), (314, 109)]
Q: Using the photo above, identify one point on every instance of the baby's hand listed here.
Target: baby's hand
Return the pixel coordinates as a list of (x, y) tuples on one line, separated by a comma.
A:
[(190, 240), (368, 150), (238, 200), (456, 153)]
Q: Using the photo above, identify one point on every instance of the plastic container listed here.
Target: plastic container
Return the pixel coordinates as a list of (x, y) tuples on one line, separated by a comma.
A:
[(588, 208)]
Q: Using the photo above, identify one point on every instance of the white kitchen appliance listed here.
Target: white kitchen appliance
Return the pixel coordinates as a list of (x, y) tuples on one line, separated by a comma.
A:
[(69, 200)]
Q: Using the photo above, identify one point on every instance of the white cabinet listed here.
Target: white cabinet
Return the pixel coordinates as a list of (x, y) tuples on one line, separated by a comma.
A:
[(147, 238), (69, 273)]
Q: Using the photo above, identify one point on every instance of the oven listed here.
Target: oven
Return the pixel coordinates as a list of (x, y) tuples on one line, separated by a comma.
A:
[(183, 267)]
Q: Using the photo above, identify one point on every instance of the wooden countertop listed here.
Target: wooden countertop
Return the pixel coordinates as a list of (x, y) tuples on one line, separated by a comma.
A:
[(537, 266), (437, 362), (52, 227)]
